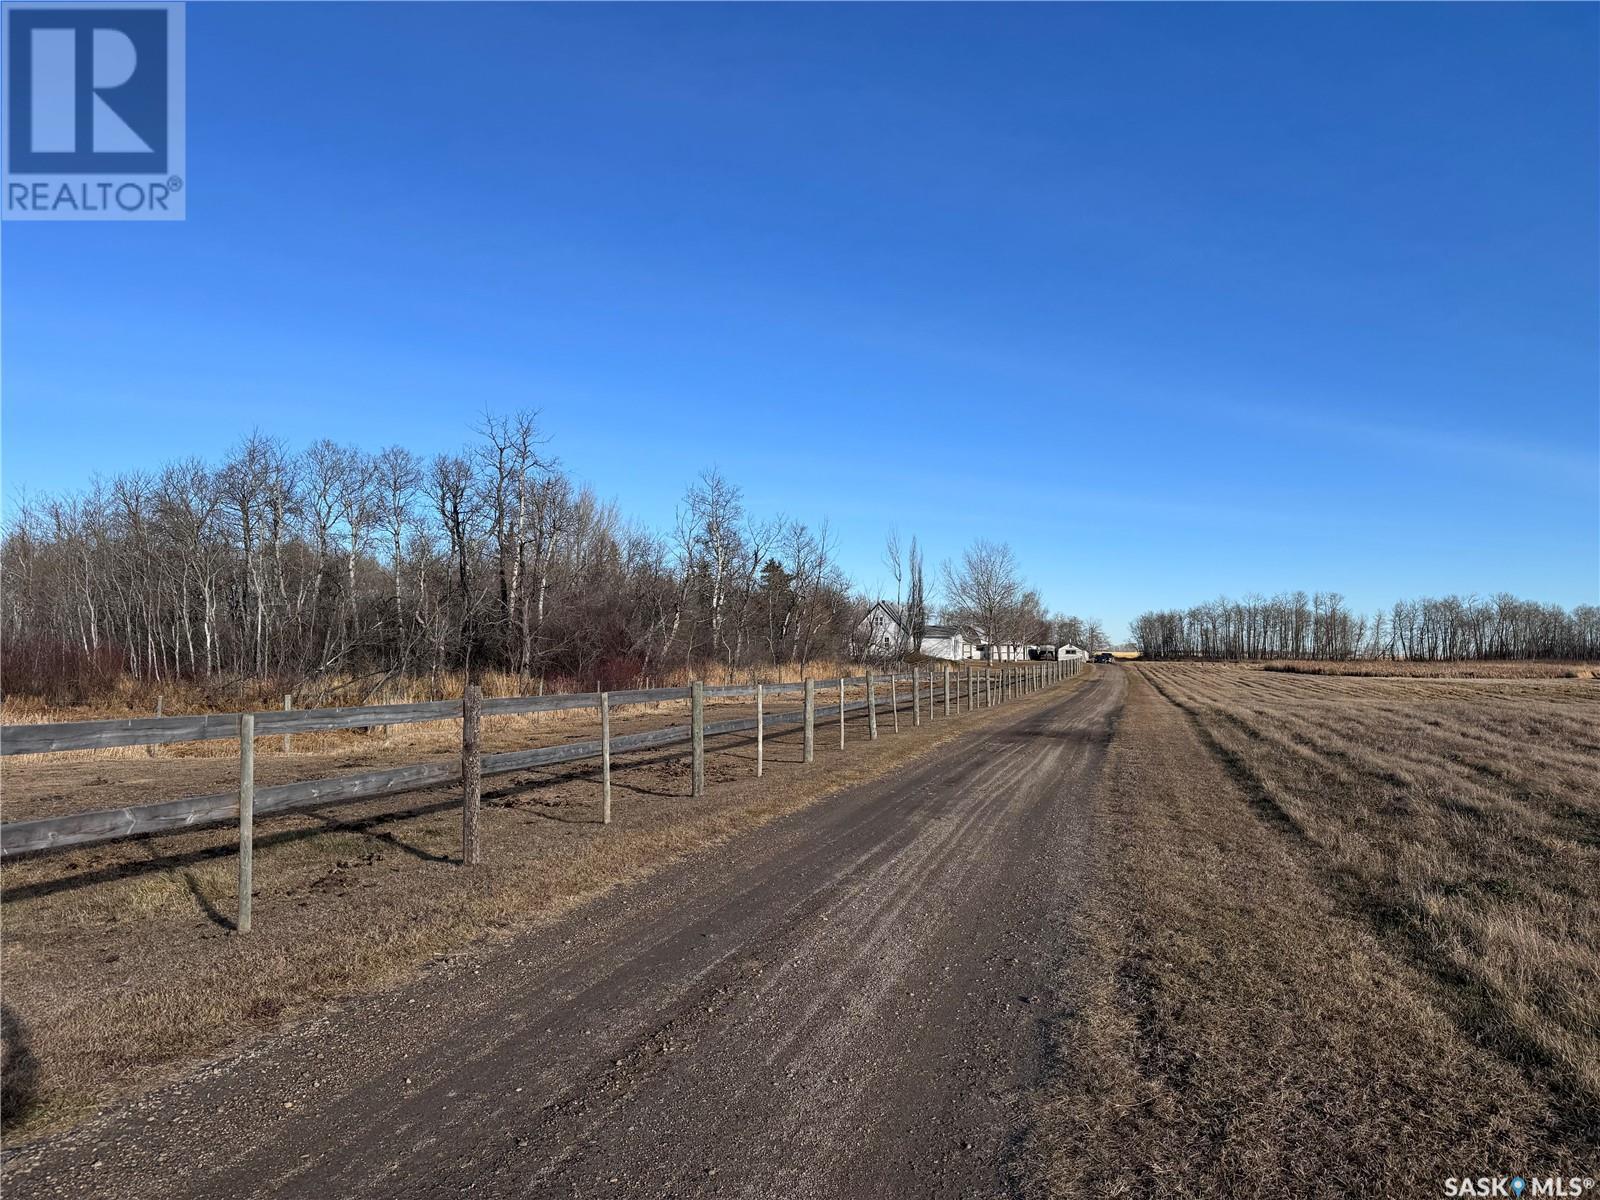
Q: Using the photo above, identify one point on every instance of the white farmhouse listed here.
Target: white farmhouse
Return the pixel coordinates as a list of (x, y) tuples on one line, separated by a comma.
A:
[(883, 634)]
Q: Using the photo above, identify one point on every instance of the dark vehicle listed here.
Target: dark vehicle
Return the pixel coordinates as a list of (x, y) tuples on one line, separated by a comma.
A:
[(1105, 658)]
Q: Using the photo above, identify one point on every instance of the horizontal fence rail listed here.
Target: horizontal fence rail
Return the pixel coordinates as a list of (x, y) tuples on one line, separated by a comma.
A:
[(76, 829), (166, 731), (979, 688)]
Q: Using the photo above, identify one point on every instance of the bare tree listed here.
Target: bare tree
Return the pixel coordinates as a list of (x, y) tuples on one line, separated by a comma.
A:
[(984, 589), (397, 480)]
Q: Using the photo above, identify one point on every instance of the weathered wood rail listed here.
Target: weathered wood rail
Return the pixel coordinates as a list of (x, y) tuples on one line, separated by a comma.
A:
[(979, 687)]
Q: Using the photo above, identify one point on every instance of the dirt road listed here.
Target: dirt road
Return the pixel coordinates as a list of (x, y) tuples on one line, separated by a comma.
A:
[(848, 1002)]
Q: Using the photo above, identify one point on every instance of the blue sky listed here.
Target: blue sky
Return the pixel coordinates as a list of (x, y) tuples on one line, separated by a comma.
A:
[(1177, 300)]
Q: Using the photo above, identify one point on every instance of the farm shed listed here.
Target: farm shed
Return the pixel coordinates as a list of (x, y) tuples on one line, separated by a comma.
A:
[(1004, 651), (944, 641)]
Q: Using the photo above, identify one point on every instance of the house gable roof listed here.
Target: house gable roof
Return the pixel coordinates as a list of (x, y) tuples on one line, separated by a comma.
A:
[(887, 611)]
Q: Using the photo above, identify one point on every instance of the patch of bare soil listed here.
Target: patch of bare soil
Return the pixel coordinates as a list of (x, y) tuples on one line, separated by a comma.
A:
[(120, 963), (1263, 1009)]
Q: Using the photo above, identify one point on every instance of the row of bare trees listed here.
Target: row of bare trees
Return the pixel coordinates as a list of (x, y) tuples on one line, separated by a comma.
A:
[(1322, 626), (335, 562)]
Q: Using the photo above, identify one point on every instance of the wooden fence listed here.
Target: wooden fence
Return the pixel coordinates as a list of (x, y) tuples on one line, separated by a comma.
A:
[(979, 687)]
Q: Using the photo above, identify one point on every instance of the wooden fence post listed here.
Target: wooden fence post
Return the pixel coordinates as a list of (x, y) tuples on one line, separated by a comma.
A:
[(471, 774), (247, 817), (761, 729), (916, 697), (697, 720), (872, 709), (841, 712), (605, 758), (151, 750), (947, 691), (970, 705), (288, 706), (894, 698), (811, 720)]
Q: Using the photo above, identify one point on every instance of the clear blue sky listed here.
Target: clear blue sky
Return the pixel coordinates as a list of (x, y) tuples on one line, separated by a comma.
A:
[(1177, 300)]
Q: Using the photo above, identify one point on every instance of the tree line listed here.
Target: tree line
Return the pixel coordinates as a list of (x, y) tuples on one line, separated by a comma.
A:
[(1322, 626), (338, 562), (334, 563)]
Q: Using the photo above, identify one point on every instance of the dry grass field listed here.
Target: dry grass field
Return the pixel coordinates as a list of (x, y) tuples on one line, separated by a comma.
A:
[(1345, 937), (120, 964)]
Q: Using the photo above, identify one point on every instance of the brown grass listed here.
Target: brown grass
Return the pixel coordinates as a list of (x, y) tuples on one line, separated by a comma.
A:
[(119, 962), (1345, 938)]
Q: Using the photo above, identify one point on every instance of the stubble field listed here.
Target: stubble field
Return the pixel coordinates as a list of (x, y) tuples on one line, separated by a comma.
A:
[(1346, 936)]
